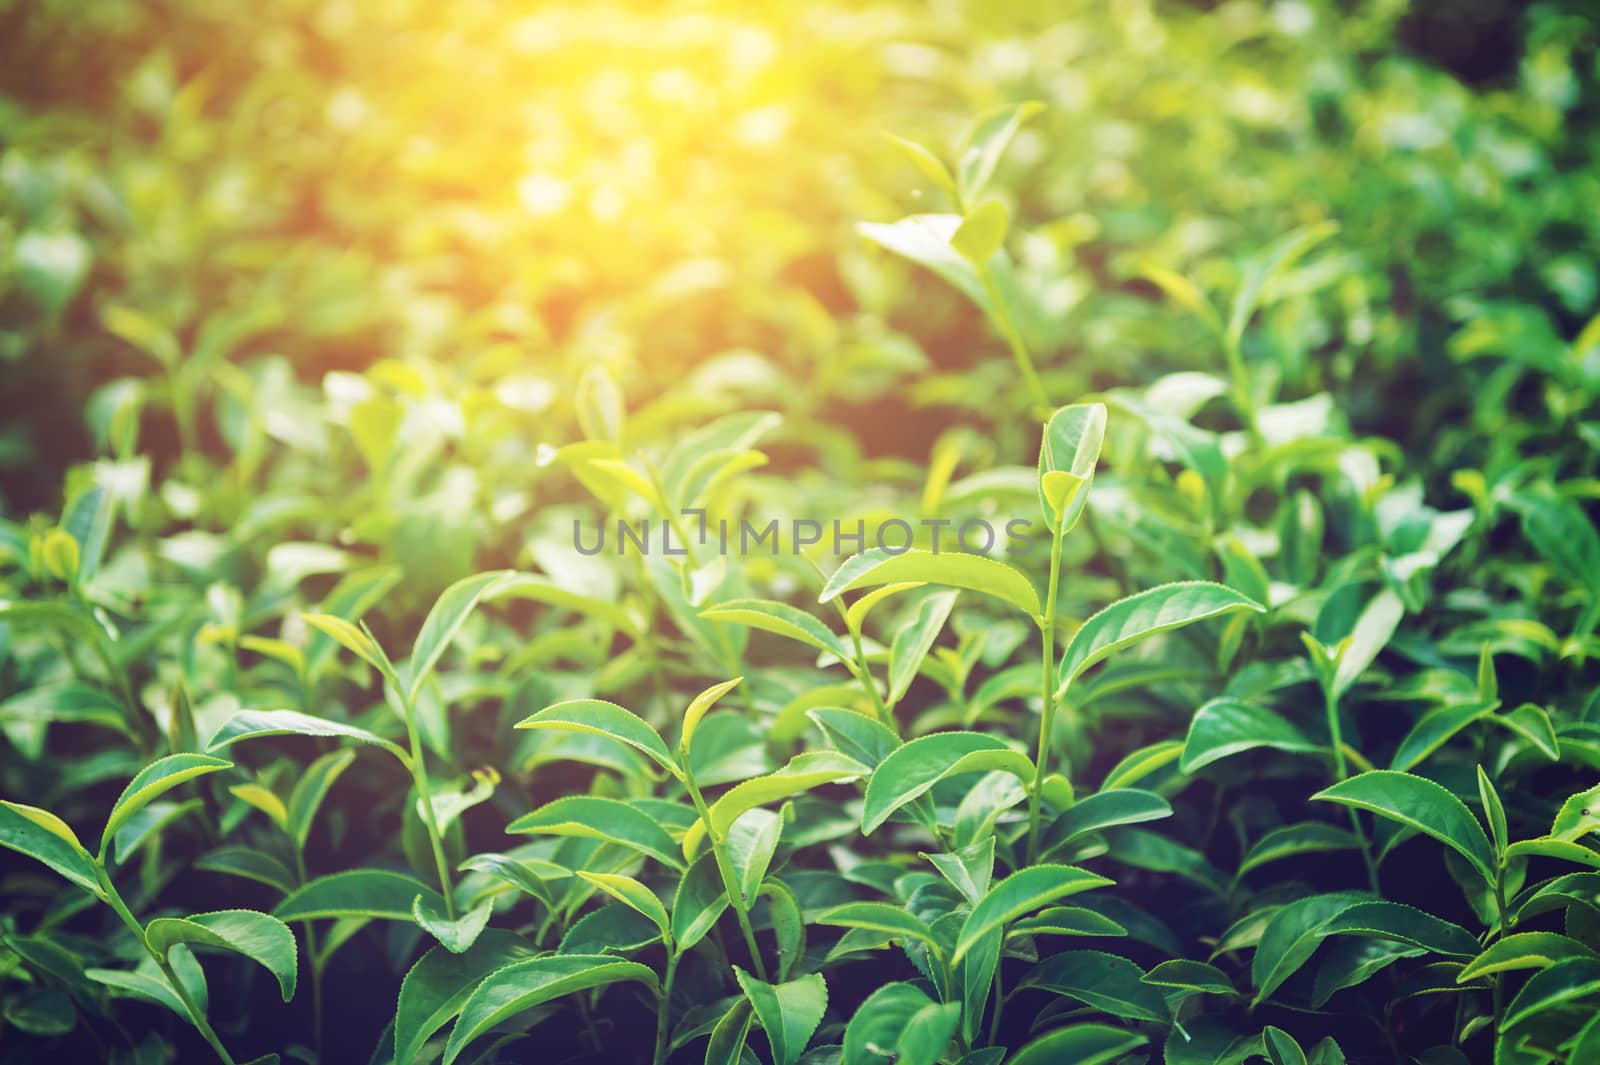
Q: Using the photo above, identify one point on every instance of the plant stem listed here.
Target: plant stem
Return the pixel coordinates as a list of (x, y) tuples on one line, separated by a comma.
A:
[(730, 882), (1500, 932), (313, 959), (430, 820), (1241, 386), (1001, 316), (663, 1007), (1047, 693), (1341, 770), (197, 1015), (864, 675)]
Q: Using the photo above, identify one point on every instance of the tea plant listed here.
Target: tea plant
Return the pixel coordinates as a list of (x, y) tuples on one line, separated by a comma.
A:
[(543, 689)]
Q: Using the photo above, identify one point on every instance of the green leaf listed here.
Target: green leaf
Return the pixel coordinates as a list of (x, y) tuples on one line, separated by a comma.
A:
[(1420, 804), (1226, 727), (726, 1046), (856, 615), (1186, 975), (1067, 921), (880, 917), (699, 901), (1434, 729), (925, 240), (898, 1023), (251, 864), (449, 613), (153, 780), (1281, 1047), (544, 590), (262, 798), (1532, 723), (612, 820), (600, 718), (312, 788), (976, 573), (981, 232), (374, 893), (862, 737), (522, 985), (259, 937), (1547, 847), (913, 641), (1523, 950), (1374, 627), (1403, 924), (1105, 809), (770, 615), (1104, 981), (1068, 452), (913, 768), (43, 836), (1021, 893), (455, 934), (1159, 609), (697, 709), (1080, 1044), (788, 1012), (1291, 936), (254, 724), (1560, 984), (1494, 811), (440, 983), (634, 895), (353, 639), (752, 841), (968, 868), (801, 774), (1579, 815), (987, 142), (1288, 841), (1278, 257), (929, 164)]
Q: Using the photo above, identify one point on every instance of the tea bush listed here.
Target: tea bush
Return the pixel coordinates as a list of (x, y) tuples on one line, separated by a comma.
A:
[(546, 536)]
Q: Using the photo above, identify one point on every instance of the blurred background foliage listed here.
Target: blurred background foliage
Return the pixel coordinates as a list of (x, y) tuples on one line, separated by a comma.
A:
[(206, 209)]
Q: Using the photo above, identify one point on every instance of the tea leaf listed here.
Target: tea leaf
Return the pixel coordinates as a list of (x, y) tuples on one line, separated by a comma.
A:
[(1021, 893), (911, 770), (976, 573), (899, 1021), (1420, 804), (522, 985), (1159, 609), (155, 779), (263, 939), (789, 1012), (357, 893), (43, 836)]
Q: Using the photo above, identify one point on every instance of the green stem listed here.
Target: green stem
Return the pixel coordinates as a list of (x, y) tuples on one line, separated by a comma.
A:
[(1341, 770), (195, 1013), (1001, 317), (1500, 932), (730, 882), (1047, 692), (313, 959), (663, 1007), (1241, 386), (864, 675), (430, 820)]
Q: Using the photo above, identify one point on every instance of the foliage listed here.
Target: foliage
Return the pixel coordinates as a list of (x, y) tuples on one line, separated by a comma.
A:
[(326, 739)]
